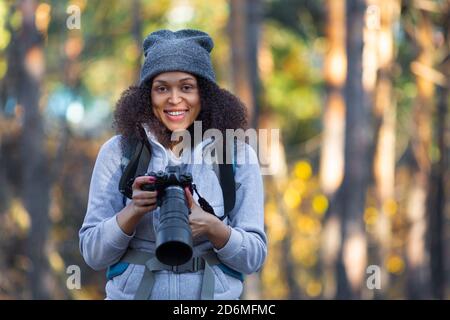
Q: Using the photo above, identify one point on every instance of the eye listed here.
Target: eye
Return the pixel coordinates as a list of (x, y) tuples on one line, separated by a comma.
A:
[(160, 89), (187, 87)]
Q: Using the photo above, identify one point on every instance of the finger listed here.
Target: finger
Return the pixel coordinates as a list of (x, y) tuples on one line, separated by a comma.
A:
[(190, 200), (195, 234), (145, 203), (145, 194), (139, 181), (145, 210)]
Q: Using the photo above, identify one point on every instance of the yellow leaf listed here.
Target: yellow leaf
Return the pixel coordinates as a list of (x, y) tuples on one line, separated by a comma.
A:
[(20, 215), (314, 288), (303, 170), (390, 207), (56, 262), (320, 204), (370, 215), (395, 264), (292, 198)]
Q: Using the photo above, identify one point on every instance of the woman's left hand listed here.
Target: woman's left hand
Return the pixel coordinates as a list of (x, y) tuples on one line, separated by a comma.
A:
[(199, 220), (204, 223)]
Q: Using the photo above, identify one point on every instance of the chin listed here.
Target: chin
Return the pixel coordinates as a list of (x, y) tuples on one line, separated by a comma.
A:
[(176, 128)]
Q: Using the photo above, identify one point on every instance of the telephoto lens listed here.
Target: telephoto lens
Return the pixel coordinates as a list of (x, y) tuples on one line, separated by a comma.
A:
[(173, 235)]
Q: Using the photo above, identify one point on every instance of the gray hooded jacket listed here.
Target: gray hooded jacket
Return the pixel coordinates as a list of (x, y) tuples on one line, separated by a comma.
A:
[(103, 243)]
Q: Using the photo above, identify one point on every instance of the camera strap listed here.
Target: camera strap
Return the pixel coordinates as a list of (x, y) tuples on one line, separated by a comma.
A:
[(205, 204)]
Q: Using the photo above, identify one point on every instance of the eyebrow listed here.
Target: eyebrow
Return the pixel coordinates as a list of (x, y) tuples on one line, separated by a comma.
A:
[(164, 81)]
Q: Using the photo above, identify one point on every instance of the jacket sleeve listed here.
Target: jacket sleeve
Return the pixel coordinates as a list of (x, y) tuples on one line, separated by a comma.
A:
[(102, 242), (246, 248)]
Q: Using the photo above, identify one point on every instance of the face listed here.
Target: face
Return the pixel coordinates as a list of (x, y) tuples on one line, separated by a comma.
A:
[(175, 99)]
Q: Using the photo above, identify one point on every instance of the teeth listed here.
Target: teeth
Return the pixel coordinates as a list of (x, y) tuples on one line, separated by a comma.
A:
[(176, 113)]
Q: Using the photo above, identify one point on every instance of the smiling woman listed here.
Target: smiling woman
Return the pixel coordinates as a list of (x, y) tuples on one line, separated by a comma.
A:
[(175, 99), (177, 87)]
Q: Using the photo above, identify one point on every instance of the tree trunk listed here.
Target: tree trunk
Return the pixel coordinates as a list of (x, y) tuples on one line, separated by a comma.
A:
[(438, 194), (244, 26), (437, 203), (417, 256), (137, 36), (385, 118), (35, 178), (353, 252), (332, 153), (332, 158), (244, 29)]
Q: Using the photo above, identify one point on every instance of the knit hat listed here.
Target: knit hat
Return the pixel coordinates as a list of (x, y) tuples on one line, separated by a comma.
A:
[(184, 50)]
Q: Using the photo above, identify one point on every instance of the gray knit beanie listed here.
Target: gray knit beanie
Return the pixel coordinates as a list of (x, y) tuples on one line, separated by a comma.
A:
[(184, 50)]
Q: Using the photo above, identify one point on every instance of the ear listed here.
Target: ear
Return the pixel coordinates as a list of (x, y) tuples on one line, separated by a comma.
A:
[(200, 37), (154, 37), (205, 41)]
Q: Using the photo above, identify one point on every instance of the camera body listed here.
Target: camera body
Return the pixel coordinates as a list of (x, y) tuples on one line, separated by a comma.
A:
[(172, 176), (173, 235)]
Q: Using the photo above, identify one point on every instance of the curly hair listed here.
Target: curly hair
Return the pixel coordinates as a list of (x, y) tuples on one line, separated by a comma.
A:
[(220, 109)]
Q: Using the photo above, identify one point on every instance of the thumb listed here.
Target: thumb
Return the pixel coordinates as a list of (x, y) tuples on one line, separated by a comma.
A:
[(189, 198)]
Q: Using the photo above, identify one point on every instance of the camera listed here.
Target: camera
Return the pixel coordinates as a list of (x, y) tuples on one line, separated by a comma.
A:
[(173, 235)]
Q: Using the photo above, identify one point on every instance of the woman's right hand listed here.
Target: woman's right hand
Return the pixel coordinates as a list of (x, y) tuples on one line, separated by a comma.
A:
[(143, 201)]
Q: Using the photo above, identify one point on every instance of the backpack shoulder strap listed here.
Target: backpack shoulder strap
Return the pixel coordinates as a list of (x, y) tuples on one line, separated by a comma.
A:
[(227, 181), (131, 151), (136, 156)]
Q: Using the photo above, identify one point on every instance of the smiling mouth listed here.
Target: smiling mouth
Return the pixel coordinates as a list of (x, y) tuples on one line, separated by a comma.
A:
[(175, 115)]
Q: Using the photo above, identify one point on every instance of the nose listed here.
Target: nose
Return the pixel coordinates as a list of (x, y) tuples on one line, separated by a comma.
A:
[(175, 97)]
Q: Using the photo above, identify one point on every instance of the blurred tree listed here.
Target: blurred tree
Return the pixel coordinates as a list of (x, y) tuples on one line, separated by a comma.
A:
[(384, 17), (352, 259), (244, 31), (136, 10), (418, 272), (332, 153), (306, 18), (29, 57), (439, 170)]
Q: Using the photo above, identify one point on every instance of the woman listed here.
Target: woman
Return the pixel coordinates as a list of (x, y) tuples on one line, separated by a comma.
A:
[(177, 87)]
